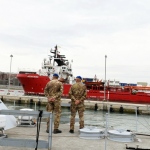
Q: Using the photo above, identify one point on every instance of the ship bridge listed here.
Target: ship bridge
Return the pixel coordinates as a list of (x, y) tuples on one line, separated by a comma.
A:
[(60, 62)]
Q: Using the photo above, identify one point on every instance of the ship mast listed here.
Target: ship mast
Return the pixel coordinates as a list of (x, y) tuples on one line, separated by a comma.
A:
[(58, 58), (55, 54)]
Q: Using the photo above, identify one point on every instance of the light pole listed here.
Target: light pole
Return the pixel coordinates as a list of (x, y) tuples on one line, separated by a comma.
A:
[(105, 80), (10, 72)]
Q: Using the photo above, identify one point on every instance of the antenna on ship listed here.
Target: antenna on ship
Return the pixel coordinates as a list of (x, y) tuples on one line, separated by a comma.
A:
[(55, 53), (71, 63), (95, 78), (56, 48), (50, 58)]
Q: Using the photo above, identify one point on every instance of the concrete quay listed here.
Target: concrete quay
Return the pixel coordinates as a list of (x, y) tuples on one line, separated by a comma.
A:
[(68, 141), (89, 104)]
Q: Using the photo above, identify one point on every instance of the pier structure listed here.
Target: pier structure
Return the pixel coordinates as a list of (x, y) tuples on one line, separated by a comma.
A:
[(89, 104)]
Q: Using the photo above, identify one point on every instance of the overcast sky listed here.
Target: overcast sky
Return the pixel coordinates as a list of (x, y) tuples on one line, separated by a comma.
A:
[(85, 31)]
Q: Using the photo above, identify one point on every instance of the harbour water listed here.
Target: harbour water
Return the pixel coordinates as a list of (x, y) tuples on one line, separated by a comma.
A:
[(137, 123)]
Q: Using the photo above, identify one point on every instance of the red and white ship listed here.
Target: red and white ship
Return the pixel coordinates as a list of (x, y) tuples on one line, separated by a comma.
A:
[(34, 82)]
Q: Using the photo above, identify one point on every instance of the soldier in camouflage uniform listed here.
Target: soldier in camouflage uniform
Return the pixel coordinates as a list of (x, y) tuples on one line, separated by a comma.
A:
[(77, 94), (53, 92)]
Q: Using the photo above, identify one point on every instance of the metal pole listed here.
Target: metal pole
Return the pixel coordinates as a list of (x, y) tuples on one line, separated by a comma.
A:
[(104, 105), (50, 131), (136, 118), (14, 105), (106, 128), (105, 80), (9, 73), (35, 106), (108, 107)]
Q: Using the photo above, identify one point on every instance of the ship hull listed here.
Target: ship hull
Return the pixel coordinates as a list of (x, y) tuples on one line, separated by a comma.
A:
[(141, 97), (34, 84)]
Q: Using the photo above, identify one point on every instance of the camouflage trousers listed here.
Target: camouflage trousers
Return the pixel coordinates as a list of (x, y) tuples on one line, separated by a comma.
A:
[(54, 107), (74, 109)]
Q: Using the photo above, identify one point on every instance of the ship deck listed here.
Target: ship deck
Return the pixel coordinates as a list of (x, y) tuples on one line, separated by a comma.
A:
[(67, 141)]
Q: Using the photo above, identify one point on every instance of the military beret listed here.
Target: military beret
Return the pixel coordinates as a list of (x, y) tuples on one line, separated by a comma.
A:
[(55, 75), (79, 77)]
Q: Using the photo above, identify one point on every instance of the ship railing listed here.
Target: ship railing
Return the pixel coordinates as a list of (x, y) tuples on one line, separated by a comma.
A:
[(136, 123), (27, 70), (29, 143), (43, 73), (114, 116)]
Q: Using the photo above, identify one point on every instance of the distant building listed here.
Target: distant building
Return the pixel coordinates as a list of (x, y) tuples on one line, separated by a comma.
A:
[(4, 79)]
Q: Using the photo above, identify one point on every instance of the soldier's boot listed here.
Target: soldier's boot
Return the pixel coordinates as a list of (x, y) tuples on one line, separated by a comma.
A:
[(71, 131), (81, 127), (57, 131), (47, 131)]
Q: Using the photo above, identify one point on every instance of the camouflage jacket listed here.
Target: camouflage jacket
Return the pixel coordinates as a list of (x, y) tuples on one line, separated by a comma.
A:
[(53, 89), (78, 92)]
